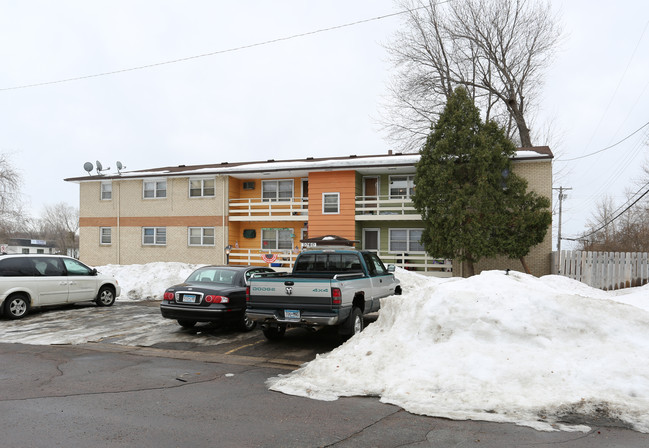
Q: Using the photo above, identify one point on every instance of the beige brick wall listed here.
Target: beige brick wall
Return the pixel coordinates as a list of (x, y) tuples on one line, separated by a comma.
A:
[(177, 212), (538, 174)]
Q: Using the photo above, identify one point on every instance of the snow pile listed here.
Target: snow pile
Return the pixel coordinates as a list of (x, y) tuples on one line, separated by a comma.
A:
[(147, 281), (547, 353)]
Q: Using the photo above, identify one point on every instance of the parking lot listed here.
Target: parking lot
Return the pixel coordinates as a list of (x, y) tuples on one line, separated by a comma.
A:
[(139, 324)]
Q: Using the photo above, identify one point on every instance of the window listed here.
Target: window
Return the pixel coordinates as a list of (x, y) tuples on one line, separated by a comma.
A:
[(201, 188), (106, 191), (75, 267), (276, 239), (155, 189), (17, 267), (201, 236), (401, 186), (277, 190), (374, 264), (105, 235), (317, 262), (406, 240), (330, 203), (154, 236)]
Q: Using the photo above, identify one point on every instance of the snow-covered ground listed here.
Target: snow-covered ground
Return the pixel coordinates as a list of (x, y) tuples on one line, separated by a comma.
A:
[(496, 347)]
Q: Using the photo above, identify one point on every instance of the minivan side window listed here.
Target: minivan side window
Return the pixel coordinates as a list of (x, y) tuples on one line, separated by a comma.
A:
[(17, 267), (49, 267), (76, 268)]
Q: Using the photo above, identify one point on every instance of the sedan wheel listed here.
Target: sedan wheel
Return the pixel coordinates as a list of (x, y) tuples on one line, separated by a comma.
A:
[(186, 323), (247, 324)]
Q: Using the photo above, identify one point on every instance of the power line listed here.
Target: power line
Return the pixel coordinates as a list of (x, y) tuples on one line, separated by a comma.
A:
[(213, 53), (611, 220), (608, 147)]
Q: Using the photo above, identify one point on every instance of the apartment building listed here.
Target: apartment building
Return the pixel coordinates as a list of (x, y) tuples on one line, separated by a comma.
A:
[(259, 212)]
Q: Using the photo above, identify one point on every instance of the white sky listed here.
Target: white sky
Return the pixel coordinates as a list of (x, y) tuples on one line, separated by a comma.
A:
[(505, 348), (318, 95)]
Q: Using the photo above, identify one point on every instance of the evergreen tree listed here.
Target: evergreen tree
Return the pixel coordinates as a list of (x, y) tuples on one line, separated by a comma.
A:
[(471, 203)]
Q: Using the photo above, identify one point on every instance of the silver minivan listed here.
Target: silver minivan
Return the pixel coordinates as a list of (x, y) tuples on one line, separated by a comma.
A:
[(34, 280)]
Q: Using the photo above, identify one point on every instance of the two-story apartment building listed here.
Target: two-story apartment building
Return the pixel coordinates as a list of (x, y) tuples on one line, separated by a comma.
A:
[(258, 212)]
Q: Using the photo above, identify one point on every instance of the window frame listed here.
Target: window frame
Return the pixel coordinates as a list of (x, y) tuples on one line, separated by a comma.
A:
[(156, 190), (409, 242), (277, 239), (101, 236), (106, 192), (410, 186), (202, 181), (324, 203), (159, 233), (277, 197), (202, 237)]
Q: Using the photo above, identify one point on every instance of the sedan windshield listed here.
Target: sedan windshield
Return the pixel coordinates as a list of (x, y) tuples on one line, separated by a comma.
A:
[(213, 275)]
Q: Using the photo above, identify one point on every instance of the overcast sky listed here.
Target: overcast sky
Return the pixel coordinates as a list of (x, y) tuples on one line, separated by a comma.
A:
[(316, 95)]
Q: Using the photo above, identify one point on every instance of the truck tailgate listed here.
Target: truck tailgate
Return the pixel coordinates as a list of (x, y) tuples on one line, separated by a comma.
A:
[(288, 292)]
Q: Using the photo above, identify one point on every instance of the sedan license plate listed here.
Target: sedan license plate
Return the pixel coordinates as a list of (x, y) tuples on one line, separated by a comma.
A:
[(292, 314), (189, 298)]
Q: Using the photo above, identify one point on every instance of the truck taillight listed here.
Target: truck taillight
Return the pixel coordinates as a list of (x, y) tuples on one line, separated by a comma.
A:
[(336, 296), (247, 293), (168, 296)]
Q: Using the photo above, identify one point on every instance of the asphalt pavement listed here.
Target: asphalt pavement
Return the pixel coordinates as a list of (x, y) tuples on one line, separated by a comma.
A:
[(184, 393)]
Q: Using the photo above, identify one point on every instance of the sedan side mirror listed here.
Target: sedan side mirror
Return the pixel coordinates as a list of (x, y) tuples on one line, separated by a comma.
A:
[(391, 268)]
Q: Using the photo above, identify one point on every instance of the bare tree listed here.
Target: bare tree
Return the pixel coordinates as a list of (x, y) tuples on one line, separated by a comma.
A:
[(10, 198), (60, 223), (496, 49)]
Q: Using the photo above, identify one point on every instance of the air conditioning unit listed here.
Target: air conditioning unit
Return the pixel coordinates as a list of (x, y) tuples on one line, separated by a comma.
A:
[(249, 185)]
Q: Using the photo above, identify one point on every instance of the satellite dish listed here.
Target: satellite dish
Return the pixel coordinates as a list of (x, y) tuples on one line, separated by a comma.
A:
[(100, 167), (88, 167), (120, 167)]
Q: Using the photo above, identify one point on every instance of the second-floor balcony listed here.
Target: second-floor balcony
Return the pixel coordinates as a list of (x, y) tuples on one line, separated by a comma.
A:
[(381, 208), (257, 209)]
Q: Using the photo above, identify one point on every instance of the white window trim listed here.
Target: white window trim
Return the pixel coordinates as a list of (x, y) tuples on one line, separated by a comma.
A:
[(155, 190), (202, 180), (110, 235), (277, 198), (409, 177), (337, 212), (101, 191), (202, 244), (155, 236), (407, 229)]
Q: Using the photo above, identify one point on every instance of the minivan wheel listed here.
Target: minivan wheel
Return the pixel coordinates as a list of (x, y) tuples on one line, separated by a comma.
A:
[(16, 306), (105, 296)]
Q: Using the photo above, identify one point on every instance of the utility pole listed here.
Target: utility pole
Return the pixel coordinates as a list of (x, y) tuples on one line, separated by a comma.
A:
[(562, 196)]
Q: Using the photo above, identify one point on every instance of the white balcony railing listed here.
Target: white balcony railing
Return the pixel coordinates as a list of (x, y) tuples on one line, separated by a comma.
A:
[(284, 260), (257, 257), (257, 209), (375, 208)]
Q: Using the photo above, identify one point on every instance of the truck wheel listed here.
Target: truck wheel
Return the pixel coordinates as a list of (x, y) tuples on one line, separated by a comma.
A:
[(274, 333), (353, 325)]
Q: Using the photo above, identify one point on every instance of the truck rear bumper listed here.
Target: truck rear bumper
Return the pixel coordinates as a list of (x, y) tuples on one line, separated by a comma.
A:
[(306, 318)]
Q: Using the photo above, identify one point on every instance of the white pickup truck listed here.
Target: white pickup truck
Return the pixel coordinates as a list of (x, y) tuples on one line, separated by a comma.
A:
[(326, 287)]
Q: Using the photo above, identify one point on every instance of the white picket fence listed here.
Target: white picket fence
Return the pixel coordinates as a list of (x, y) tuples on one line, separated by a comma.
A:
[(604, 270)]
